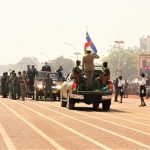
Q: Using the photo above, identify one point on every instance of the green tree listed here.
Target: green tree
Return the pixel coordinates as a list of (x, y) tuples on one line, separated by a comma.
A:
[(128, 62), (66, 63)]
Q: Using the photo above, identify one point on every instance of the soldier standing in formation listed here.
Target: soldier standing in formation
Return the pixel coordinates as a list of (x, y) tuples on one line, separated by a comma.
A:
[(116, 90), (88, 67), (126, 85), (4, 83), (15, 84), (19, 80), (10, 83), (48, 86), (23, 85)]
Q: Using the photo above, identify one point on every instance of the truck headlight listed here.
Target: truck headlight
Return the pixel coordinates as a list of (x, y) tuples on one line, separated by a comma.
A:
[(40, 86)]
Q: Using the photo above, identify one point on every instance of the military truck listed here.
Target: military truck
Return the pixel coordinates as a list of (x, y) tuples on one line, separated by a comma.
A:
[(39, 85), (71, 93)]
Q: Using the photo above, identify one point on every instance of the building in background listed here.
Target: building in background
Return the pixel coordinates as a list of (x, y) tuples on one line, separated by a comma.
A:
[(145, 45), (144, 64), (144, 56)]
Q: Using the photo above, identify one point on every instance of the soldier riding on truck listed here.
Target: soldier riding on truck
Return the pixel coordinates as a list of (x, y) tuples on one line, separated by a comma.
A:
[(87, 86)]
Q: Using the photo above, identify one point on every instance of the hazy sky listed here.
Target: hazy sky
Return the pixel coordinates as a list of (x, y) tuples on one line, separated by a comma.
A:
[(40, 28)]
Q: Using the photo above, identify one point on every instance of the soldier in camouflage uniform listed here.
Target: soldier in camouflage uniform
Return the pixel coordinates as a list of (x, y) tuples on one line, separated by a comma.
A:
[(19, 80), (15, 84), (10, 83), (23, 85), (4, 85), (48, 86)]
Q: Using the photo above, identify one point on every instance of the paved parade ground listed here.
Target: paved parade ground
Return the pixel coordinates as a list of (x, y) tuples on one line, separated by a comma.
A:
[(39, 125)]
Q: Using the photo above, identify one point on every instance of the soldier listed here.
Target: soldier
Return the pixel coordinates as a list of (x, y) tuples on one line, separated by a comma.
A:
[(19, 80), (60, 73), (3, 83), (46, 67), (33, 71), (48, 86), (88, 67), (15, 84), (30, 80), (105, 74), (6, 84), (10, 83), (116, 90), (126, 85), (23, 85), (77, 73)]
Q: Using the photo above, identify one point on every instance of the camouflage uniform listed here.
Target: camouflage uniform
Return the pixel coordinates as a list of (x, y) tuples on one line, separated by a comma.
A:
[(4, 83), (23, 86), (15, 84), (10, 83), (48, 86), (19, 80)]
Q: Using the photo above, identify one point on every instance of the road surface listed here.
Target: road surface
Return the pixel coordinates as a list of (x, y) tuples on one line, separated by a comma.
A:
[(39, 125)]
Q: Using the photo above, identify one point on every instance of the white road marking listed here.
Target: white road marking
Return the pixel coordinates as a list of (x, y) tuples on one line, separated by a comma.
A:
[(105, 130), (6, 139), (135, 122), (42, 134), (68, 128), (142, 118), (123, 126)]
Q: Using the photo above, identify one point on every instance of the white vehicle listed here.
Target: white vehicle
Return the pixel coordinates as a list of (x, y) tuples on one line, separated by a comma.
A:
[(71, 94)]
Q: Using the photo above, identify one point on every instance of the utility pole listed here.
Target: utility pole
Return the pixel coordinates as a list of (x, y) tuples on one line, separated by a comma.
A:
[(76, 51), (119, 68)]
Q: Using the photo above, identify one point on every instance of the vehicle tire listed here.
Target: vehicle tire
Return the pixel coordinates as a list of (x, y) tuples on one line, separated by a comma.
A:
[(58, 95), (62, 103), (54, 97), (95, 105), (105, 106), (36, 95), (70, 103)]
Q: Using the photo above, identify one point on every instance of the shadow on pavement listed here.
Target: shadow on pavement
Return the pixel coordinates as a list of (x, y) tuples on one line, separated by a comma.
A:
[(90, 109)]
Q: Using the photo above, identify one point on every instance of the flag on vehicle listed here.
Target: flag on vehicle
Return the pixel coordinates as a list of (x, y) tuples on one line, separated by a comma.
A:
[(89, 44)]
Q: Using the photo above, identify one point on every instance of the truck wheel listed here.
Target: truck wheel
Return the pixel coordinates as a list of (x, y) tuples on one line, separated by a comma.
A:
[(54, 97), (70, 103), (105, 106), (95, 105), (36, 95), (62, 103), (58, 95)]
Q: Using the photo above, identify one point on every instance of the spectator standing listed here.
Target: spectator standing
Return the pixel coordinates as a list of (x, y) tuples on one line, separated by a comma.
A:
[(142, 89), (120, 88)]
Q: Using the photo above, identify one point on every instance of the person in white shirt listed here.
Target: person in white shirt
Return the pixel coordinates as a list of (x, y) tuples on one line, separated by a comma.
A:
[(120, 87), (142, 89)]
